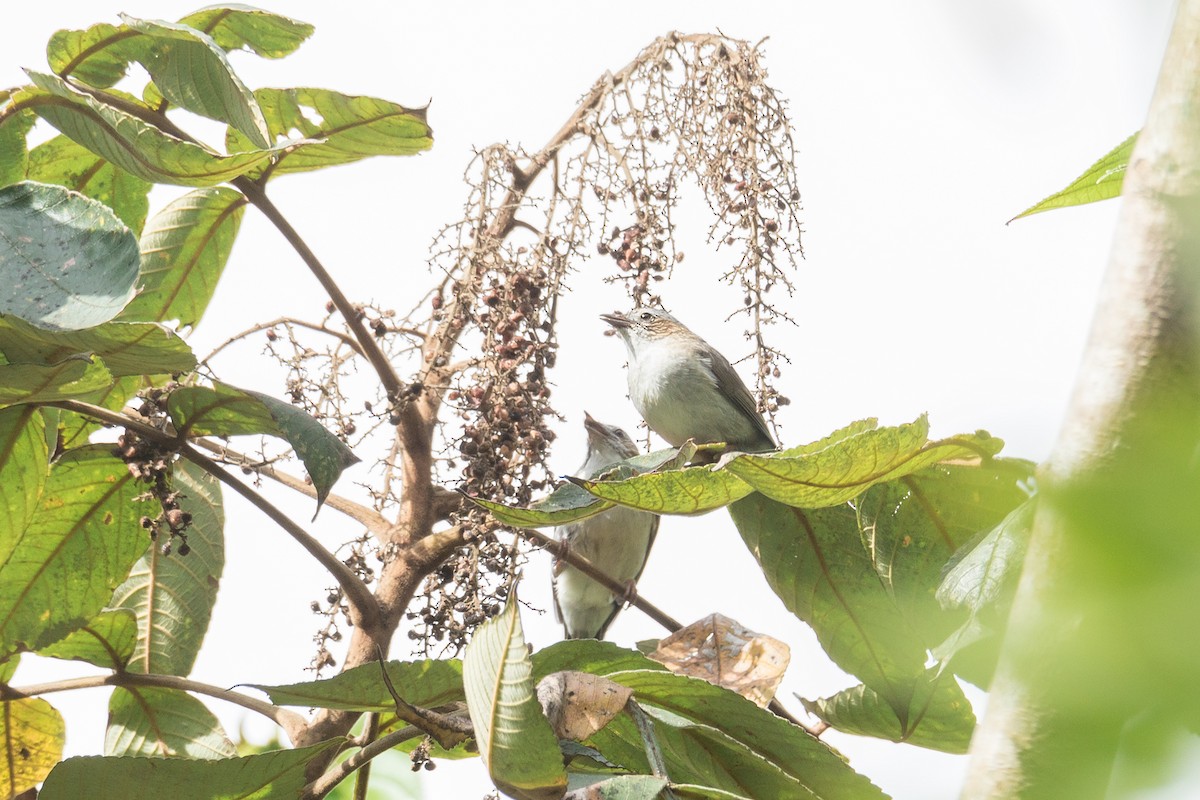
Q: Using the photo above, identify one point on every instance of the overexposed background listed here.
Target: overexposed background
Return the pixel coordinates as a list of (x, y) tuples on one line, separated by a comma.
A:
[(920, 128)]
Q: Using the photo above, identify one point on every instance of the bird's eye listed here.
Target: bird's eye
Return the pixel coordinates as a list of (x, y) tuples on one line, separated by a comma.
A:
[(646, 316)]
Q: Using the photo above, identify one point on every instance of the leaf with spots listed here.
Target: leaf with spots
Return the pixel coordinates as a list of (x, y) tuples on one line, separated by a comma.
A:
[(32, 734), (77, 548)]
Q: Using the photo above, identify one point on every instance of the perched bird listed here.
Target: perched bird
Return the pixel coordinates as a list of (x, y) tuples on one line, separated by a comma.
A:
[(617, 541), (684, 388)]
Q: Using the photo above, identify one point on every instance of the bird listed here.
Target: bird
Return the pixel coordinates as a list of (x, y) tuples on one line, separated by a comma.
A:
[(616, 541), (683, 388)]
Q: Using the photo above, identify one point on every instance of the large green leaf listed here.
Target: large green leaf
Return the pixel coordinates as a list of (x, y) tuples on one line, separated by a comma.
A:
[(514, 738), (76, 549), (336, 128), (107, 640), (66, 262), (235, 27), (939, 718), (32, 735), (588, 655), (426, 683), (192, 71), (184, 251), (67, 163), (77, 376), (14, 148), (132, 144), (277, 775), (173, 596), (864, 574), (128, 348), (692, 490), (223, 410), (1101, 181), (24, 463), (845, 469), (97, 56), (716, 737), (163, 723)]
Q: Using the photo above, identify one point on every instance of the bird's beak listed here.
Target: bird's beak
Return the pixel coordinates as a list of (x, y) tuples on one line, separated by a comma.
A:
[(590, 423), (618, 321)]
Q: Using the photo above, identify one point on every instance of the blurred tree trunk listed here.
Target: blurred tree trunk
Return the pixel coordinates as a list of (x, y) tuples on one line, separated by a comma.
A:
[(1140, 374)]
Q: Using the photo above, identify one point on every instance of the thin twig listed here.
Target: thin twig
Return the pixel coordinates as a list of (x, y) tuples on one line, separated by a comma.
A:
[(291, 722), (336, 774), (263, 326)]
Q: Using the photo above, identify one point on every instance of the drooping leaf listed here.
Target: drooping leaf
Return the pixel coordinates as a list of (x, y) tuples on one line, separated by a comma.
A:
[(939, 718), (336, 128), (32, 735), (222, 410), (66, 262), (75, 377), (184, 251), (76, 549), (67, 163), (173, 596), (692, 490), (426, 683), (192, 71), (277, 775), (841, 471), (237, 27), (515, 740), (107, 640), (1101, 181), (715, 737), (98, 56), (128, 348), (24, 464), (132, 144), (163, 723)]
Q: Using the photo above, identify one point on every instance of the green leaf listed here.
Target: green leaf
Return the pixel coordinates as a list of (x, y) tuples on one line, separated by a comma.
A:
[(692, 490), (76, 428), (107, 641), (24, 464), (754, 743), (32, 734), (940, 716), (76, 375), (588, 655), (236, 27), (425, 683), (173, 596), (128, 348), (192, 71), (14, 149), (863, 575), (36, 383), (842, 470), (277, 775), (132, 144), (515, 740), (66, 262), (77, 548), (224, 410), (1101, 181), (69, 164), (184, 251), (336, 128), (97, 56), (571, 503), (163, 723)]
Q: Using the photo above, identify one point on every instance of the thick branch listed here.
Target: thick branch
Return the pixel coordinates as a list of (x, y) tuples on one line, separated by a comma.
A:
[(291, 722), (1141, 360)]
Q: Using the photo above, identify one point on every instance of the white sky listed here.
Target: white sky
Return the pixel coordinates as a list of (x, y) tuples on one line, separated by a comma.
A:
[(920, 127)]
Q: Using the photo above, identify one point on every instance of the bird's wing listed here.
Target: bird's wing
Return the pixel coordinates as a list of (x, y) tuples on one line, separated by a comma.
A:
[(563, 534), (619, 602), (730, 384)]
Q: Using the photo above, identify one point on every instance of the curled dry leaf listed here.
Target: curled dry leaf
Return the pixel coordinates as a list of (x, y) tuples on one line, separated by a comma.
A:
[(721, 651), (578, 704)]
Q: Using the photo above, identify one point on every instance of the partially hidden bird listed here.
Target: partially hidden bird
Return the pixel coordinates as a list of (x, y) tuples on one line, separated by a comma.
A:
[(616, 541), (683, 388)]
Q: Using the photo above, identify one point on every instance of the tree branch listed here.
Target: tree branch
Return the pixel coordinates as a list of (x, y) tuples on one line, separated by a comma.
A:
[(291, 722)]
